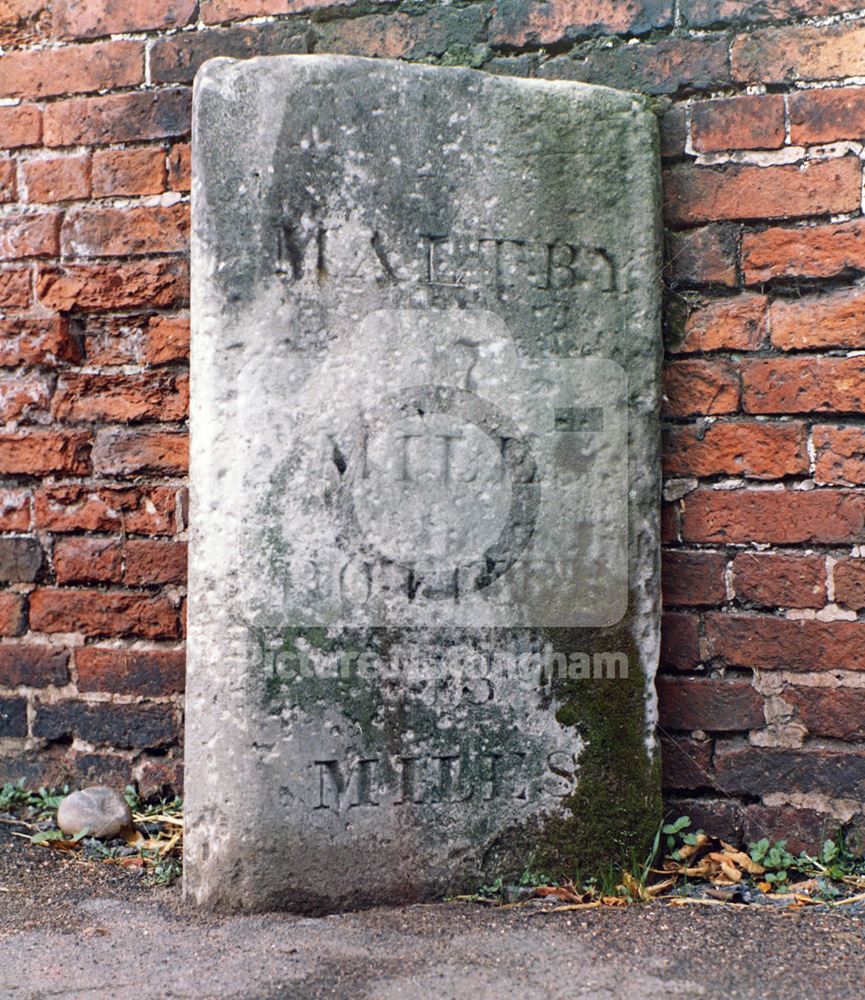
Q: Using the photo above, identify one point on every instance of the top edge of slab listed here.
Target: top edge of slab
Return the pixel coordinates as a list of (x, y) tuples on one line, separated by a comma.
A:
[(223, 70)]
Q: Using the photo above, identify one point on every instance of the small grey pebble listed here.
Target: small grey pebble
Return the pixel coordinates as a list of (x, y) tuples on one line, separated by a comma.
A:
[(101, 809)]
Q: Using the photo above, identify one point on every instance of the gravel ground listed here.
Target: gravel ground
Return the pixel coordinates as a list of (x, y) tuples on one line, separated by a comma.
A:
[(85, 931)]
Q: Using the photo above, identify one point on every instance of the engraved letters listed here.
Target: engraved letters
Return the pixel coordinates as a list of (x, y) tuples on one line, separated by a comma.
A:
[(446, 778), (308, 250)]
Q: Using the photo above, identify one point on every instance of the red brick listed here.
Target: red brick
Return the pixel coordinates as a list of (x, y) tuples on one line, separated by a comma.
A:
[(130, 452), (149, 562), (180, 167), (24, 21), (12, 617), (26, 341), (95, 18), (122, 232), (783, 517), (836, 319), (15, 287), (39, 453), (216, 11), (685, 763), (166, 340), (840, 454), (29, 235), (836, 713), (662, 67), (669, 523), (740, 191), (705, 256), (404, 36), (706, 13), (121, 398), (804, 385), (849, 578), (753, 122), (756, 450), (20, 126), (693, 578), (8, 185), (148, 672), (112, 340), (160, 778), (717, 706), (780, 581), (88, 560), (145, 510), (102, 613), (680, 641), (826, 115), (800, 52), (119, 285), (24, 396), (128, 171), (736, 324), (803, 251), (118, 118), (62, 178), (517, 23), (767, 643), (15, 508), (700, 387), (75, 69), (32, 666)]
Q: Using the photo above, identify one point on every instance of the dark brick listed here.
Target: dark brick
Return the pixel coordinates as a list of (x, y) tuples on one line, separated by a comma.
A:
[(663, 67), (693, 578), (114, 725), (685, 763), (720, 706), (718, 817), (33, 666), (13, 717), (674, 132), (176, 58), (680, 641), (762, 771), (705, 256), (20, 559), (81, 769), (803, 829)]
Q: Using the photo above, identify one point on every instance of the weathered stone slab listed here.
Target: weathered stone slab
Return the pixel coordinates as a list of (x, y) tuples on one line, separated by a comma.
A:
[(423, 615)]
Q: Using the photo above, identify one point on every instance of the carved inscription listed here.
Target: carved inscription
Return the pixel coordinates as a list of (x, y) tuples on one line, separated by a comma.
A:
[(308, 251), (437, 778)]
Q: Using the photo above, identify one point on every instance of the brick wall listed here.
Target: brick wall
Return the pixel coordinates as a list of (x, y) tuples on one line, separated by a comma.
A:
[(763, 677)]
